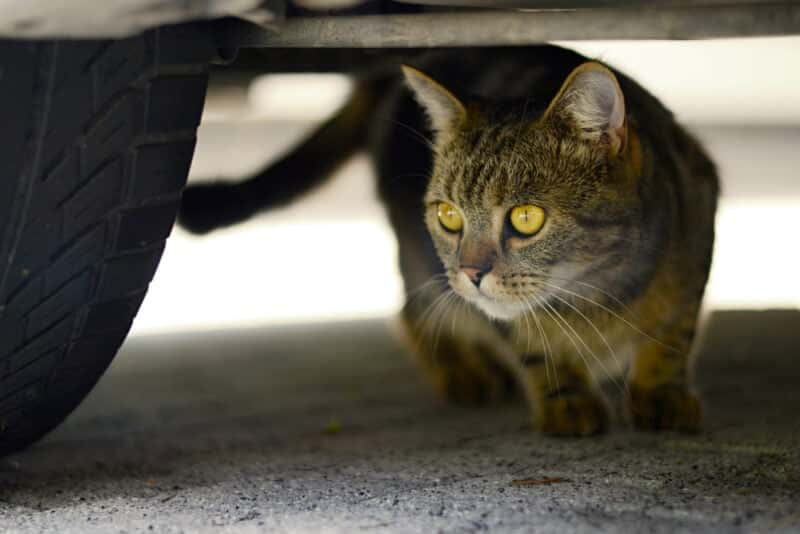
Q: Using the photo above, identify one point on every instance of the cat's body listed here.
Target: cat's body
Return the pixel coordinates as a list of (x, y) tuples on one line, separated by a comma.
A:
[(610, 279)]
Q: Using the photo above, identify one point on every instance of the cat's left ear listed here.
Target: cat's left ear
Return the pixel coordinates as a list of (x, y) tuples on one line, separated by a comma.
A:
[(591, 101), (444, 110)]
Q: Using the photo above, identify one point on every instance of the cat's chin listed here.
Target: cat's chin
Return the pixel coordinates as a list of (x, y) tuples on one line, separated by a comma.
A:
[(497, 310)]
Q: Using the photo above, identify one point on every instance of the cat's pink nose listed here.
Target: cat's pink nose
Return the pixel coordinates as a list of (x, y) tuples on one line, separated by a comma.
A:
[(475, 274)]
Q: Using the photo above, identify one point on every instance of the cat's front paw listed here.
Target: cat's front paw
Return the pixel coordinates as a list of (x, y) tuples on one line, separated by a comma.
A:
[(572, 413), (665, 408)]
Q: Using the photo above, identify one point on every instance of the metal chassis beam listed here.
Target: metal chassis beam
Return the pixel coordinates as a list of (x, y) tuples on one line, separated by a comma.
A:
[(507, 27)]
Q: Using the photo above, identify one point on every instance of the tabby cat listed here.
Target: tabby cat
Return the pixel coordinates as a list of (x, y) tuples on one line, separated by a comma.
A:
[(555, 228)]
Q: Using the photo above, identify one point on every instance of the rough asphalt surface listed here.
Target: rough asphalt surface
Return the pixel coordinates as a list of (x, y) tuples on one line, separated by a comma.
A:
[(330, 429)]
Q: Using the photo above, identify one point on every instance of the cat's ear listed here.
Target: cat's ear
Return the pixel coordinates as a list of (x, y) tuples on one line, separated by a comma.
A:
[(443, 108), (591, 101)]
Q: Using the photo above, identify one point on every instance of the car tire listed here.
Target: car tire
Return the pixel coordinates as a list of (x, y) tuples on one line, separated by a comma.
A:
[(96, 140)]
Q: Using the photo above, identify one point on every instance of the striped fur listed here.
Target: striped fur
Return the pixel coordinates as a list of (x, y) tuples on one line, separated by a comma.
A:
[(610, 286), (613, 282)]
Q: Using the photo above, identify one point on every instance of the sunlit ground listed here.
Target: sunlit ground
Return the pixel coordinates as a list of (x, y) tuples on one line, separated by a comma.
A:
[(333, 256)]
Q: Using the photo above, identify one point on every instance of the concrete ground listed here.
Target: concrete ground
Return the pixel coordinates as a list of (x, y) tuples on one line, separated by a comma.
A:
[(329, 429)]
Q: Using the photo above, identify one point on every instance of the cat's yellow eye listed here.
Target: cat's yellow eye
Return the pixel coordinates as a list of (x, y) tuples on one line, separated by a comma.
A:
[(449, 217), (527, 220)]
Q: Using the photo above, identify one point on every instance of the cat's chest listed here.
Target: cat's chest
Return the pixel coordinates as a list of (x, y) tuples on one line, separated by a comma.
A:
[(605, 344)]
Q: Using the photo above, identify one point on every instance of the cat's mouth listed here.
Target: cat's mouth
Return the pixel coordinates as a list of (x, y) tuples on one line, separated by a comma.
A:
[(484, 298), (490, 296)]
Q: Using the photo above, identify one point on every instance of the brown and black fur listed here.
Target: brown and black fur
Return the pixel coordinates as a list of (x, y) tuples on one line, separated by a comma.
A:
[(639, 216)]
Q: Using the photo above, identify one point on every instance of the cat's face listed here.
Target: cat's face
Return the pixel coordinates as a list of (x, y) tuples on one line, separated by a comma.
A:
[(519, 212)]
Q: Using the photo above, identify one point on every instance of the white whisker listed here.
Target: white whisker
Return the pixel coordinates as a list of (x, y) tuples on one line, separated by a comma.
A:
[(612, 312), (548, 353), (548, 346), (611, 351), (585, 345), (423, 318), (442, 318)]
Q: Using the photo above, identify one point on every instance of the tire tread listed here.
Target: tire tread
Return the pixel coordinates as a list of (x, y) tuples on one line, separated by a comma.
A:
[(105, 186)]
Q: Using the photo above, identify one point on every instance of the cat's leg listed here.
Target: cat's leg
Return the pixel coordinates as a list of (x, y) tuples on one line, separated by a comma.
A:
[(468, 360), (660, 394), (562, 396), (455, 349)]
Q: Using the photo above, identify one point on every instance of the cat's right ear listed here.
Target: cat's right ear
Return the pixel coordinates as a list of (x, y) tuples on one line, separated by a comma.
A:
[(591, 101), (443, 108)]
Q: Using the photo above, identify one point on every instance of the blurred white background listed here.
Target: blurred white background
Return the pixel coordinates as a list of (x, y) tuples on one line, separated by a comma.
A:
[(332, 255)]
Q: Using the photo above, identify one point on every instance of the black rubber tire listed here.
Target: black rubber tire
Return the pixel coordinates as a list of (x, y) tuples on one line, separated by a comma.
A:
[(95, 147)]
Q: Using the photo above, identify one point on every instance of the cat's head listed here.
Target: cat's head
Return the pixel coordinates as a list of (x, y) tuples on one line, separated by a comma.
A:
[(522, 208)]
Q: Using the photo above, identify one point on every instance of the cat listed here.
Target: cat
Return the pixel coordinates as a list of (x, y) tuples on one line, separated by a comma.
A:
[(555, 228)]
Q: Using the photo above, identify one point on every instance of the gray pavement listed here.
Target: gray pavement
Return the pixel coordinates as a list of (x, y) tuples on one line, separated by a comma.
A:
[(329, 428)]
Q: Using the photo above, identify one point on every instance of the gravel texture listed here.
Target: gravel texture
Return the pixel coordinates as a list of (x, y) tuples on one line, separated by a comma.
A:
[(329, 428)]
